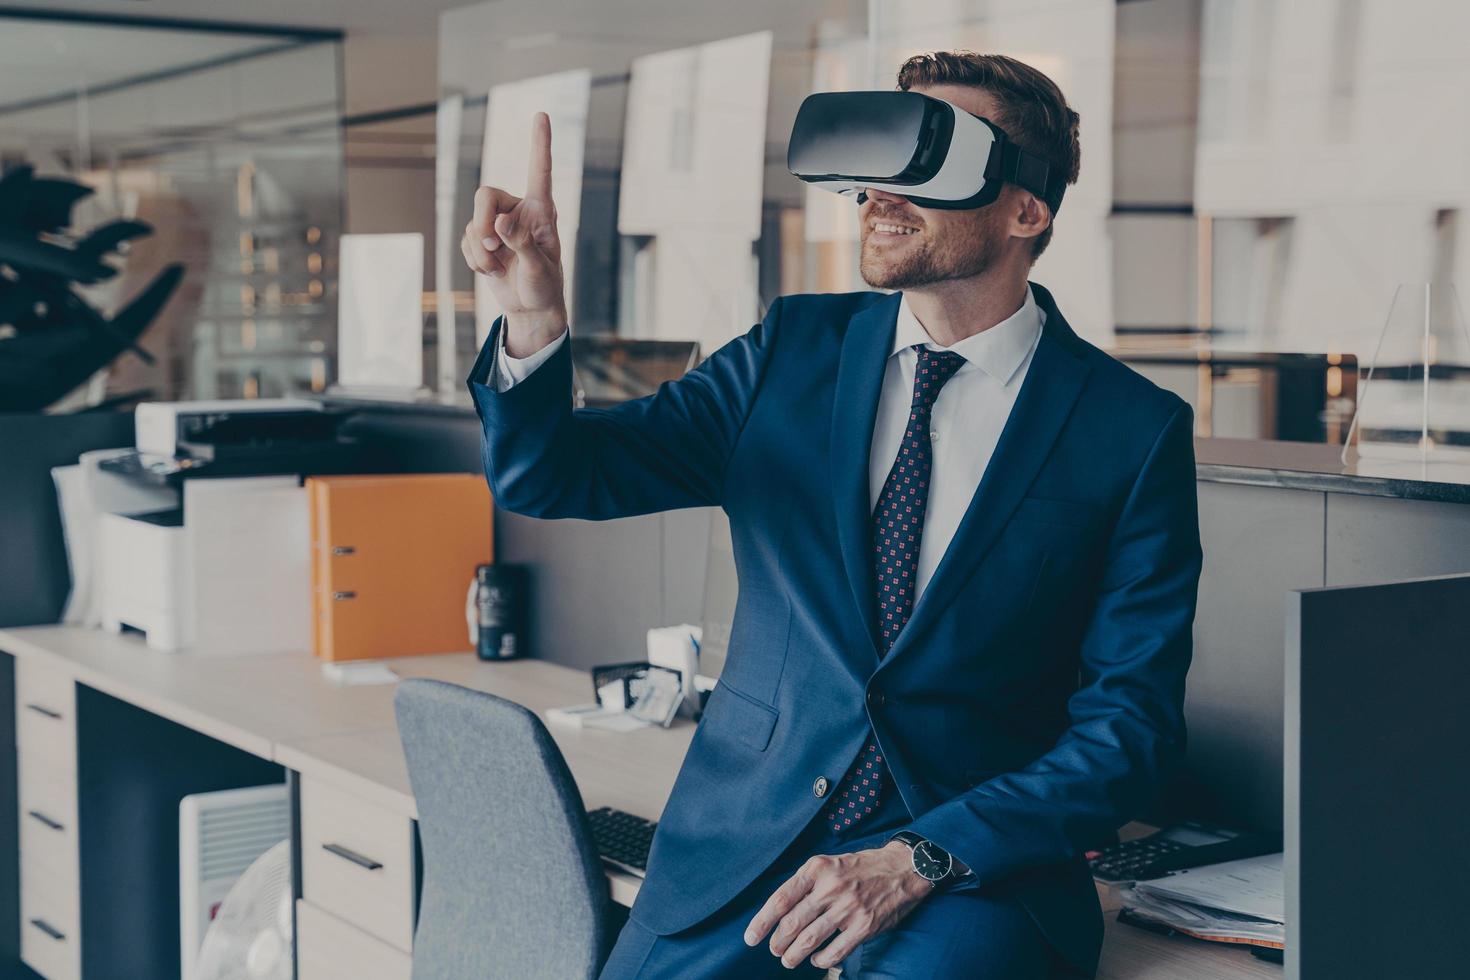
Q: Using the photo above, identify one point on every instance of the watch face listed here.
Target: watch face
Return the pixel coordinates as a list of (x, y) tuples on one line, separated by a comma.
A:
[(932, 861)]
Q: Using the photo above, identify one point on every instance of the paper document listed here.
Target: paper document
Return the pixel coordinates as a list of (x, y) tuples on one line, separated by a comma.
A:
[(1252, 886), (359, 672), (84, 493), (1214, 925)]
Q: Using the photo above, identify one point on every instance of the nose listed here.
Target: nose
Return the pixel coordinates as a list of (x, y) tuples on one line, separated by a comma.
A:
[(883, 197)]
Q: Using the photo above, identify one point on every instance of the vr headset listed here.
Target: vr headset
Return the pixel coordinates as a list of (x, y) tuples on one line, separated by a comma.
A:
[(930, 151)]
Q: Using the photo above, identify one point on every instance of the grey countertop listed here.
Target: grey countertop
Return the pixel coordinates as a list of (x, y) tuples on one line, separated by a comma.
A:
[(1290, 465), (1314, 466)]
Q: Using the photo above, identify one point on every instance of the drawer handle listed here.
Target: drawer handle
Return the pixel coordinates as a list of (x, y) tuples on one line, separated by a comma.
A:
[(343, 596), (40, 817), (49, 929), (42, 710), (348, 854)]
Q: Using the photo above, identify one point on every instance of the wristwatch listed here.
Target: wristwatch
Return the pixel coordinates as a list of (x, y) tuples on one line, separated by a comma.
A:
[(931, 862)]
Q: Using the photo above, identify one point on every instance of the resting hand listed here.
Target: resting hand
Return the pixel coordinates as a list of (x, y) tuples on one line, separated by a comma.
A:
[(855, 896)]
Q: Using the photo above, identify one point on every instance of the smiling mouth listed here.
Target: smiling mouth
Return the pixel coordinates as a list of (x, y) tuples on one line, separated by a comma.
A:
[(889, 228)]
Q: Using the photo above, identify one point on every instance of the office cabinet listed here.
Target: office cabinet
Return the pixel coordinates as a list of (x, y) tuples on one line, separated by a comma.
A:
[(98, 784), (357, 862), (46, 772), (329, 949), (1383, 539)]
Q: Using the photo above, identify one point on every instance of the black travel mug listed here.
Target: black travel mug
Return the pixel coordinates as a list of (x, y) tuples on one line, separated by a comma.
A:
[(500, 611)]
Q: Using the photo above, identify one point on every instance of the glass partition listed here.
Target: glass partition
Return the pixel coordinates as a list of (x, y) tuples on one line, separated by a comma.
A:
[(228, 143), (1244, 213)]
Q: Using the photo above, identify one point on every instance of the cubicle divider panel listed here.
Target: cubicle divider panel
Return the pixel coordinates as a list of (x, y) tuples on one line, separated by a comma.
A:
[(133, 768), (1259, 543), (1376, 788), (33, 560)]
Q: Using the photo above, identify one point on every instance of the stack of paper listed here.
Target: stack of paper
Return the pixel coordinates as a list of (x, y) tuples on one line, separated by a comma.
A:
[(1235, 902)]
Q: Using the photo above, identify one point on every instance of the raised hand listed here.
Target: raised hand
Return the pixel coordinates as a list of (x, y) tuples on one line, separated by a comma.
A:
[(513, 241)]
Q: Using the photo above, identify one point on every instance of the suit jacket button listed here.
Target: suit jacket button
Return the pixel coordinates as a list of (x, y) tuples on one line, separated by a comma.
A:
[(819, 788), (876, 698)]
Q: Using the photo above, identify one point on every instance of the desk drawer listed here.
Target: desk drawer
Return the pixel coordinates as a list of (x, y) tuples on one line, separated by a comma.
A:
[(45, 712), (48, 842), (357, 862), (329, 949), (48, 784), (50, 941)]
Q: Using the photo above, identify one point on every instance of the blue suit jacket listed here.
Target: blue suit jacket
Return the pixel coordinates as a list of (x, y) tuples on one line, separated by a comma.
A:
[(1033, 702)]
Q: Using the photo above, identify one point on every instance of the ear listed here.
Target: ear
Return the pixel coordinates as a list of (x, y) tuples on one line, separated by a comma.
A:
[(1029, 214)]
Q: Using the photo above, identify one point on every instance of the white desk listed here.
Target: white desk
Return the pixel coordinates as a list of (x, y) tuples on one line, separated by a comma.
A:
[(282, 709)]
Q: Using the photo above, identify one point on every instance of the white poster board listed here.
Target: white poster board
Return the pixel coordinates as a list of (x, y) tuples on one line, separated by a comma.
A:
[(692, 178), (380, 312), (448, 225)]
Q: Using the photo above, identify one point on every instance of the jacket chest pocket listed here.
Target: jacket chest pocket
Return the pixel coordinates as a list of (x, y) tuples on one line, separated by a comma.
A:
[(739, 716)]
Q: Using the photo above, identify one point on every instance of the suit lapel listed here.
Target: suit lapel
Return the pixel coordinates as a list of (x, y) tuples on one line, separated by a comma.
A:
[(1052, 384), (865, 350)]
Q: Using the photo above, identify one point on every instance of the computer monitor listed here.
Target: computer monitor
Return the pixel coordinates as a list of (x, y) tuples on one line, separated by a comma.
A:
[(609, 370)]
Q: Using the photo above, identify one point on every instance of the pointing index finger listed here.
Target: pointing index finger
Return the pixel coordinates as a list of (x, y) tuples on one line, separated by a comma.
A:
[(538, 180)]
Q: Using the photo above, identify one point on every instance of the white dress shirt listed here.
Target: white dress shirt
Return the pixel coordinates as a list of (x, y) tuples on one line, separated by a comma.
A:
[(965, 426), (510, 371), (967, 419)]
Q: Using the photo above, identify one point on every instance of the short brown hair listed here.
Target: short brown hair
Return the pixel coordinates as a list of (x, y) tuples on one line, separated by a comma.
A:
[(1032, 109)]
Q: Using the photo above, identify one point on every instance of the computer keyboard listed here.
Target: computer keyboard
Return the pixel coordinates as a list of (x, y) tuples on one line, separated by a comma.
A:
[(622, 839)]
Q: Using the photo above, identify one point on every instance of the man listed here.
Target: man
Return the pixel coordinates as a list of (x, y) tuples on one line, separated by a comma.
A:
[(968, 554)]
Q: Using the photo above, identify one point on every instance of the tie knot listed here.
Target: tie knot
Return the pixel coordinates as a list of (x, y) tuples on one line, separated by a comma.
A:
[(934, 369)]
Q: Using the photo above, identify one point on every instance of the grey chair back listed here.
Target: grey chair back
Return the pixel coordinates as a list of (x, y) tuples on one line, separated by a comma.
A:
[(513, 886)]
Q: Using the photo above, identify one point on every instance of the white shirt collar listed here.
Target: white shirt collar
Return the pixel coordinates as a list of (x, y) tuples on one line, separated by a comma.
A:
[(999, 351)]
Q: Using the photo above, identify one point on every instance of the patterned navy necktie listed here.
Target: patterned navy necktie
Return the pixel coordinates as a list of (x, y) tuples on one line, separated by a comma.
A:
[(898, 527)]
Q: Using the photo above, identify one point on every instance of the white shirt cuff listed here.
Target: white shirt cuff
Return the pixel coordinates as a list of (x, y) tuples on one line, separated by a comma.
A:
[(511, 371)]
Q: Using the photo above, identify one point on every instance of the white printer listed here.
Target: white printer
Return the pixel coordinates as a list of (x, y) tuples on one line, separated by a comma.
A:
[(226, 570), (227, 573), (169, 428)]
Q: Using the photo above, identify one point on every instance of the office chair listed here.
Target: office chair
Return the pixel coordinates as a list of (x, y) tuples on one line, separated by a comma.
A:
[(513, 886)]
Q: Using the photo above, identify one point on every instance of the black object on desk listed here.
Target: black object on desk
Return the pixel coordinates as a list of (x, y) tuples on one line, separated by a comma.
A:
[(306, 442), (622, 839), (1184, 845), (500, 611)]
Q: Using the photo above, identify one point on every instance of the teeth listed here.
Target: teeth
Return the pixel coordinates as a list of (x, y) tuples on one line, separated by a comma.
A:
[(888, 229)]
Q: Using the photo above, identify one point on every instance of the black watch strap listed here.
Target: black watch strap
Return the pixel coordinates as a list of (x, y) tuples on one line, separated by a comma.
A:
[(929, 859)]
